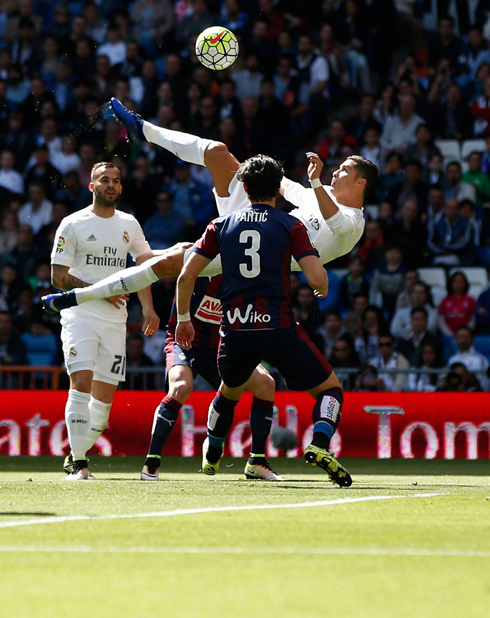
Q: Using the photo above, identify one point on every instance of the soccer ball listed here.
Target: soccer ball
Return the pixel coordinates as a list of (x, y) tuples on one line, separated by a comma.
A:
[(216, 48)]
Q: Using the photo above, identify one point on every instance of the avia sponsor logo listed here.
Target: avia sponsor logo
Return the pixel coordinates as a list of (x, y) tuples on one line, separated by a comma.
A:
[(209, 310), (250, 316)]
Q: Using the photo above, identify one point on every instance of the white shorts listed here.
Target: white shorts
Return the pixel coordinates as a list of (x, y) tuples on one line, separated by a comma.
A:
[(94, 345)]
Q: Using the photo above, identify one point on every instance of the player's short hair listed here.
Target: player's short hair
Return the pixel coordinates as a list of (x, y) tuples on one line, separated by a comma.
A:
[(97, 166), (367, 170), (262, 176)]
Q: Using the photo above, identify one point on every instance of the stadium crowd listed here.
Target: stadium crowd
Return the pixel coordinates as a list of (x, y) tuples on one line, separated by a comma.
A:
[(406, 87)]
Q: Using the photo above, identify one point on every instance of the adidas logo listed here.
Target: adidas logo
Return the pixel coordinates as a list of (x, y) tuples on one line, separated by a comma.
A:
[(91, 237)]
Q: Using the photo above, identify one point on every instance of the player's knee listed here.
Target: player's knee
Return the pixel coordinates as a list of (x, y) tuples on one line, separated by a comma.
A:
[(266, 387), (180, 390), (81, 382)]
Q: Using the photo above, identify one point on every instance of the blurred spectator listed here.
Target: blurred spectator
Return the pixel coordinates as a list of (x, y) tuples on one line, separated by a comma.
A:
[(411, 188), (227, 101), (43, 173), (152, 20), (249, 80), (41, 344), (387, 281), (8, 231), (114, 145), (141, 188), (9, 178), (191, 198), (366, 339), (392, 174), (399, 131), (331, 148), (385, 216), (199, 20), (435, 205), (10, 287), (12, 348), (331, 331), (49, 136), (451, 118), (450, 241), (88, 156), (401, 324), (474, 176), (273, 115), (446, 45), (18, 87), (25, 255), (367, 380), (166, 226), (425, 382), (352, 284), (480, 111), (455, 187), (313, 74), (308, 314), (96, 26), (358, 125), (352, 31), (452, 382), (353, 320), (472, 360), (137, 358), (434, 173), (23, 314), (67, 159), (73, 193), (424, 148), (38, 211), (471, 384), (409, 280), (483, 313), (18, 140), (485, 165), (115, 47), (233, 18), (104, 81), (389, 358), (411, 345), (409, 233), (344, 356), (207, 124), (371, 248), (457, 308)]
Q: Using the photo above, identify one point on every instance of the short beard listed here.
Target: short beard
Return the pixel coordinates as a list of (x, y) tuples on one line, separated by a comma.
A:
[(104, 202)]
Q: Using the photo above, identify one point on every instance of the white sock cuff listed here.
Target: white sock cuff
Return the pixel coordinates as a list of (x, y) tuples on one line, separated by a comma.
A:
[(99, 406), (78, 397)]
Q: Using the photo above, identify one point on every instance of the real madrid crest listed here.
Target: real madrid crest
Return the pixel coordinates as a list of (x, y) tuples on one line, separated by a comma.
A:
[(126, 237), (73, 352)]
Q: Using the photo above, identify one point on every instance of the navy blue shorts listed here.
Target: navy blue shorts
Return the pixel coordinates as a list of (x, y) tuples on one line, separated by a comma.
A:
[(201, 362), (290, 350)]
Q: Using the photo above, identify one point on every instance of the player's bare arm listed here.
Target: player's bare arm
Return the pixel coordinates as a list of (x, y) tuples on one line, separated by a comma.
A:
[(328, 207), (315, 274), (184, 333), (62, 279), (151, 321)]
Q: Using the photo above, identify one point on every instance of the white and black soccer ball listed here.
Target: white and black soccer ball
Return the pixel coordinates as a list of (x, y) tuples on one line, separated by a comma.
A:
[(216, 48)]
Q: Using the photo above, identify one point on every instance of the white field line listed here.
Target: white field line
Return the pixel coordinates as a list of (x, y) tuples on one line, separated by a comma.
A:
[(291, 551), (217, 509)]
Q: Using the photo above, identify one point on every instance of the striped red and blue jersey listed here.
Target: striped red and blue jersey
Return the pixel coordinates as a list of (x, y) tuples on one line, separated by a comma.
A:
[(256, 244), (206, 312)]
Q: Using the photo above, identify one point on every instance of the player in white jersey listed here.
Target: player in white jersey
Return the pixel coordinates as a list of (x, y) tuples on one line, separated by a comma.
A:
[(333, 216), (90, 245)]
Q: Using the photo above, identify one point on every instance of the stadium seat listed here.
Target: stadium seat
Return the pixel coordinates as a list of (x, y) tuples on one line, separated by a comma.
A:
[(448, 348), (482, 344), (436, 279), (41, 349), (470, 145), (450, 150), (477, 277)]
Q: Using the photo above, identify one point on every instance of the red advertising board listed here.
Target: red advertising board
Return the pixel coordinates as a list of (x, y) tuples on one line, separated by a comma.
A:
[(383, 425)]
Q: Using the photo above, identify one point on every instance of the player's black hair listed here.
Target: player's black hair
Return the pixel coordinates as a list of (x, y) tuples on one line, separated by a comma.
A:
[(262, 176), (367, 170)]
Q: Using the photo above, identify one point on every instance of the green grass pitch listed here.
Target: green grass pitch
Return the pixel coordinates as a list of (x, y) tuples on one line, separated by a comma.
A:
[(410, 538)]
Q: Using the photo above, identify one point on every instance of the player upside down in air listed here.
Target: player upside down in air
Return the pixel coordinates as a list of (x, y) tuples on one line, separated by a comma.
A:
[(256, 244), (182, 365), (332, 215)]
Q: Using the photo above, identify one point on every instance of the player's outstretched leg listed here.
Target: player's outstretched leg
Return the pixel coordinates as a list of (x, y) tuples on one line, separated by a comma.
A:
[(326, 417), (191, 148), (133, 279)]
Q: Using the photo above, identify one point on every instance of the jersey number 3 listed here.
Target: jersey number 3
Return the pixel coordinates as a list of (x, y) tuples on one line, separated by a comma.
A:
[(249, 271)]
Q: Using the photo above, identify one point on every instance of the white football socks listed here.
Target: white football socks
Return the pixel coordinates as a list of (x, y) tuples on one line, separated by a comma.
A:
[(126, 281), (187, 147), (77, 417), (99, 415)]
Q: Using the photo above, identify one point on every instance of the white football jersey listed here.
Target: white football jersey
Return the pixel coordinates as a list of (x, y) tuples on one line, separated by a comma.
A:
[(332, 237), (94, 248)]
